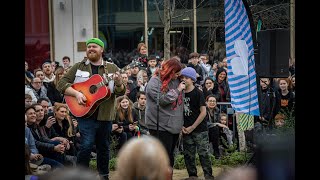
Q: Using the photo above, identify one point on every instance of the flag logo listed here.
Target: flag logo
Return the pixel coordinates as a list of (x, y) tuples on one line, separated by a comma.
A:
[(246, 122), (240, 59)]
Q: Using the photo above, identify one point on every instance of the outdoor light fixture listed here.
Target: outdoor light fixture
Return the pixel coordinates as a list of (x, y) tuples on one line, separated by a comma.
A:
[(62, 5), (186, 19), (174, 32), (83, 31)]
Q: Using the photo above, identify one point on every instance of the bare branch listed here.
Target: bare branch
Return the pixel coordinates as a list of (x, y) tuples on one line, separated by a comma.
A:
[(173, 8), (158, 10), (272, 7), (252, 5), (186, 11)]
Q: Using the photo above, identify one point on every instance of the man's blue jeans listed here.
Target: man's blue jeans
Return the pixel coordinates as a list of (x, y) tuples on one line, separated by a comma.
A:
[(53, 163), (95, 132)]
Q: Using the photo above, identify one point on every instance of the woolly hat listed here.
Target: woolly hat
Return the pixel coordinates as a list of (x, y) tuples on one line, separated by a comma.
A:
[(190, 73), (96, 41)]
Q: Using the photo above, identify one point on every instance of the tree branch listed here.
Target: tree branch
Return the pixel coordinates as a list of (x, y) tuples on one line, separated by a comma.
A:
[(173, 17), (158, 10), (270, 8)]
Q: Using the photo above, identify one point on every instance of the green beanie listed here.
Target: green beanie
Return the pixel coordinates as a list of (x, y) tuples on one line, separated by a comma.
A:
[(96, 41)]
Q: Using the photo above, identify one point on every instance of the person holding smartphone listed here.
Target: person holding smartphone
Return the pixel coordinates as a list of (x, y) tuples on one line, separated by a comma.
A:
[(124, 123)]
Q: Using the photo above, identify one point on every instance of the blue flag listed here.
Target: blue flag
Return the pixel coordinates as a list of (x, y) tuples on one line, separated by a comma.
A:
[(240, 59)]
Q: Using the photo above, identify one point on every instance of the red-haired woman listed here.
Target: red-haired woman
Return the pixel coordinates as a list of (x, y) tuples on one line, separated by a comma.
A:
[(287, 97), (166, 85)]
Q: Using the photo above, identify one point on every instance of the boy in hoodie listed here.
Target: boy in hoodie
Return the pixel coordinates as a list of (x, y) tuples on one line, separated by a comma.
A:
[(138, 112)]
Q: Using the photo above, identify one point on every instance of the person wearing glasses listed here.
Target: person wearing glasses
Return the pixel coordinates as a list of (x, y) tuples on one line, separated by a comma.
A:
[(206, 67), (212, 118), (38, 90)]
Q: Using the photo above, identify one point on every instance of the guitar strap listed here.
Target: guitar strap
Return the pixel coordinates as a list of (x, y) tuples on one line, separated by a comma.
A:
[(105, 75), (110, 83)]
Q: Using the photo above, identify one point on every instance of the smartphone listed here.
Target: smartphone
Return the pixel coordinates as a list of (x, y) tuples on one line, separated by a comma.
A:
[(50, 110), (50, 114)]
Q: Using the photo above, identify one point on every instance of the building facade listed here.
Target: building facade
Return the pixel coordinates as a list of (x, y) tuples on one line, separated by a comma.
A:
[(57, 28)]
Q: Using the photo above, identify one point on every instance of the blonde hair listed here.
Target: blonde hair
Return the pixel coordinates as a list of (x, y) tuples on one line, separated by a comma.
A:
[(27, 80), (59, 70), (56, 108), (143, 158)]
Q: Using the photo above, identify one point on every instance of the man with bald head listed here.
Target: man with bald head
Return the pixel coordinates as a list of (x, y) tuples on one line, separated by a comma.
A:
[(143, 158)]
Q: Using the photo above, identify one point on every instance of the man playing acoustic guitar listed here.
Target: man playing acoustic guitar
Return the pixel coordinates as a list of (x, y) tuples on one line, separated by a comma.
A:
[(81, 84)]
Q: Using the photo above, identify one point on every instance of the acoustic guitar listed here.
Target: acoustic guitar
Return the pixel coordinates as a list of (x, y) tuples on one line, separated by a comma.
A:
[(95, 90)]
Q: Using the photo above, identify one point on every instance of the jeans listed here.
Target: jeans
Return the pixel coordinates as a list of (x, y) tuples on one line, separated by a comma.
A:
[(94, 132), (53, 154), (53, 163)]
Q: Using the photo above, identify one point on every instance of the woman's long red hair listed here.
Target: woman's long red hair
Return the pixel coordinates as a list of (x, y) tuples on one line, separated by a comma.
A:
[(168, 69)]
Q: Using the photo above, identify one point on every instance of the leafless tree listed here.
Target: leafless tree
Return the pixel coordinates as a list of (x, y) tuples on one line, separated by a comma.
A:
[(273, 14)]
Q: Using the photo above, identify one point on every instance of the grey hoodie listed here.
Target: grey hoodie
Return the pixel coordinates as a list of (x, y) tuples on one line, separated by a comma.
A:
[(170, 106), (139, 113)]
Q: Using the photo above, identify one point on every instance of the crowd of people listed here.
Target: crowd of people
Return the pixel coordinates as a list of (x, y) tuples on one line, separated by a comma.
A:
[(169, 99)]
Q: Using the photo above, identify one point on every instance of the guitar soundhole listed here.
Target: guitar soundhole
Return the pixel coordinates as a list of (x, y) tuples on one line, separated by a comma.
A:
[(93, 89)]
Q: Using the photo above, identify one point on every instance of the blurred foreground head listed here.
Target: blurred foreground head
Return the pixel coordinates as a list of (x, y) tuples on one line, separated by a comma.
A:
[(143, 158), (276, 156), (239, 173)]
